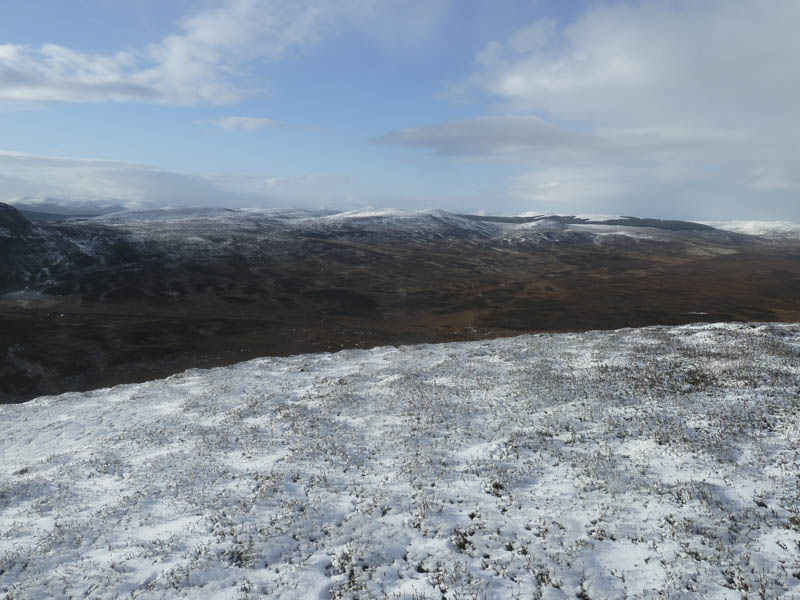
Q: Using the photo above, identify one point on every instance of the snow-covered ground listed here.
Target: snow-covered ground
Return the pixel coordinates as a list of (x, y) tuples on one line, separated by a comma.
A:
[(661, 462)]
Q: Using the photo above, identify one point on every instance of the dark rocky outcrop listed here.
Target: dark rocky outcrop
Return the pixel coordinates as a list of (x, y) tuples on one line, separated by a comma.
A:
[(12, 223)]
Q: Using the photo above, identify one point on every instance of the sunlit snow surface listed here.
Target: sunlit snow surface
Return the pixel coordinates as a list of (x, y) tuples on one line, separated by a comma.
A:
[(660, 462)]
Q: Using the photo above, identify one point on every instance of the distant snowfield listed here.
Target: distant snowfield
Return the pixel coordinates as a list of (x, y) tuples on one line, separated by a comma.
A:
[(660, 462), (773, 229)]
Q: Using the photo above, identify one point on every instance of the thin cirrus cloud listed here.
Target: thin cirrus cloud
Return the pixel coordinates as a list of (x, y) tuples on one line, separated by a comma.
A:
[(687, 105)]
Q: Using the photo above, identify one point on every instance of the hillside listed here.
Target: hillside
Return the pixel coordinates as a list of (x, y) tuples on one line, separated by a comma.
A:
[(659, 462), (132, 296)]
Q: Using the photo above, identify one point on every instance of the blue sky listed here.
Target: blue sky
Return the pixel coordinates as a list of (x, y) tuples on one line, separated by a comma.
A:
[(666, 109)]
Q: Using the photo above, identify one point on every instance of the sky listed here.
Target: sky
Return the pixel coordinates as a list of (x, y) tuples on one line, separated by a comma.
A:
[(670, 108)]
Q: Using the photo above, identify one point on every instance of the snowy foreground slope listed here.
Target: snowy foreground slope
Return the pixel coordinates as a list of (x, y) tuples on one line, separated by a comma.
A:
[(662, 462)]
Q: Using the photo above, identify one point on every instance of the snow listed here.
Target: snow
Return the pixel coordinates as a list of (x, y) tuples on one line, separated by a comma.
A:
[(369, 213), (261, 230), (643, 233), (213, 228), (585, 216), (599, 217), (159, 215), (772, 229), (659, 462), (553, 229), (429, 222), (535, 226), (166, 215)]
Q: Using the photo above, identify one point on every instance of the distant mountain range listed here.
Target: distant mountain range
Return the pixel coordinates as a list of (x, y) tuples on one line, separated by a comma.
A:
[(132, 295), (53, 209)]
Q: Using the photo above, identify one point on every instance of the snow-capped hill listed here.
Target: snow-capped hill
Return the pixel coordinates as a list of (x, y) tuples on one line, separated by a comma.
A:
[(600, 217), (408, 223), (547, 229), (659, 462), (198, 225), (769, 229), (601, 230), (175, 226), (290, 213), (374, 213), (93, 257), (541, 225), (161, 215), (180, 232), (621, 231), (583, 216)]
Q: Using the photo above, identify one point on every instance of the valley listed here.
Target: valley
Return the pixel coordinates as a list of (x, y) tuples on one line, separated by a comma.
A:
[(130, 297)]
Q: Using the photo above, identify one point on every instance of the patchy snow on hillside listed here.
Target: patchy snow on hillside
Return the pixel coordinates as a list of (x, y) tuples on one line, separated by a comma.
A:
[(427, 222), (221, 227), (770, 229), (642, 233), (660, 462)]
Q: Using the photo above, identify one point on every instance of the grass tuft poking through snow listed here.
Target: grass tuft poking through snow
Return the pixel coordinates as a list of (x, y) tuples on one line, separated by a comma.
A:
[(661, 463)]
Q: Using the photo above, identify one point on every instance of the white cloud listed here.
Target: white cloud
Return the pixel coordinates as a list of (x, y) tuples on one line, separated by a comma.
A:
[(678, 63), (201, 62), (656, 171), (57, 74), (653, 107), (207, 59), (76, 181)]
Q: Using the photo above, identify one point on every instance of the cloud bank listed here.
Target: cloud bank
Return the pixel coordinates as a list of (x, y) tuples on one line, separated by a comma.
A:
[(654, 107), (89, 182)]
